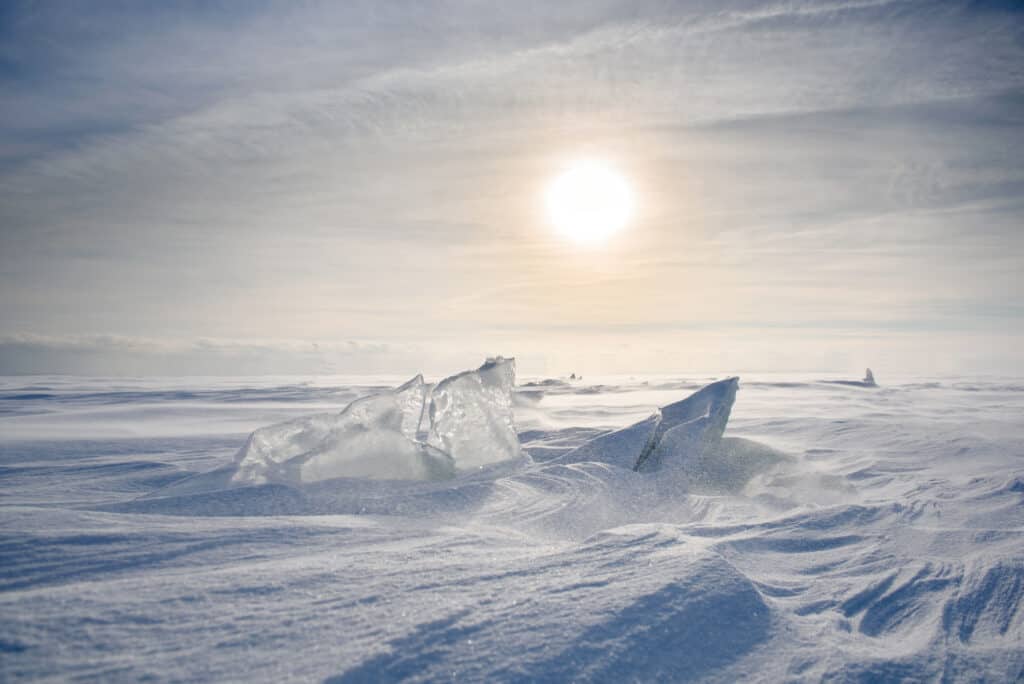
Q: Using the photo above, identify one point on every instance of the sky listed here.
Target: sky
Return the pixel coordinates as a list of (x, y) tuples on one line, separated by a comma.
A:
[(196, 188)]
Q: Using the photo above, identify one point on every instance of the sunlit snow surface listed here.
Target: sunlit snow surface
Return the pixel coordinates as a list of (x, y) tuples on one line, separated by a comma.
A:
[(880, 539)]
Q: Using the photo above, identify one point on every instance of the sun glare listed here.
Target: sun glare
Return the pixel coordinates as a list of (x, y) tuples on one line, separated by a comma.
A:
[(589, 202)]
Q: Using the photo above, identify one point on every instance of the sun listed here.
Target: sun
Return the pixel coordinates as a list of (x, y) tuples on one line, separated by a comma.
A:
[(588, 202)]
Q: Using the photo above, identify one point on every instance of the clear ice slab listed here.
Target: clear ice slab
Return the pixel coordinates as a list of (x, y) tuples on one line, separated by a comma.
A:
[(414, 432), (676, 436), (470, 415)]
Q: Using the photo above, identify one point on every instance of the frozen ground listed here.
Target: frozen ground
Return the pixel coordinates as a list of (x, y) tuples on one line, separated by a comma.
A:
[(888, 546)]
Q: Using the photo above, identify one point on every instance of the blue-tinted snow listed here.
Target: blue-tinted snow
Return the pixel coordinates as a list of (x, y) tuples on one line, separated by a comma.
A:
[(879, 537)]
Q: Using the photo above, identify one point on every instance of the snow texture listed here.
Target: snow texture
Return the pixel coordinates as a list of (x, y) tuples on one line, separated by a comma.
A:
[(833, 532)]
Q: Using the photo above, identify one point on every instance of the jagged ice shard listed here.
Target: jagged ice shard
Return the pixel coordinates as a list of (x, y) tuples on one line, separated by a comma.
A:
[(423, 432), (373, 437), (676, 436), (690, 428), (414, 432), (471, 415)]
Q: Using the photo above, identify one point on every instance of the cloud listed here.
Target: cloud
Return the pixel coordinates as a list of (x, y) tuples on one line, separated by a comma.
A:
[(352, 171)]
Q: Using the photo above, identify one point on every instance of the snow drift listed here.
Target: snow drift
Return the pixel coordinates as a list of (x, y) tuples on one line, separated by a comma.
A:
[(889, 546)]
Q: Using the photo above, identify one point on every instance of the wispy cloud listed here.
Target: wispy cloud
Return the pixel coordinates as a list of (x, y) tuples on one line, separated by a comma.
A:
[(347, 171)]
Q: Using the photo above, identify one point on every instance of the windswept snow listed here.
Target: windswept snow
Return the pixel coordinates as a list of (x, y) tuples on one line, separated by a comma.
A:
[(823, 532)]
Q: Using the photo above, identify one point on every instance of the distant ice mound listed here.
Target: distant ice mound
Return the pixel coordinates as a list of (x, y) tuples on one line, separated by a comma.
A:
[(414, 432), (868, 381)]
